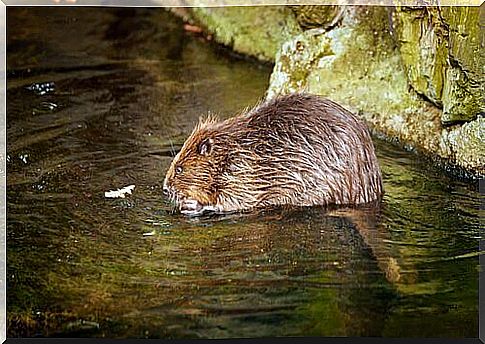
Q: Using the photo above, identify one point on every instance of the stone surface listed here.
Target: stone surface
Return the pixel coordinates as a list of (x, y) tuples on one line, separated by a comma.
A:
[(254, 31), (463, 93), (358, 65), (440, 50), (312, 17), (466, 143)]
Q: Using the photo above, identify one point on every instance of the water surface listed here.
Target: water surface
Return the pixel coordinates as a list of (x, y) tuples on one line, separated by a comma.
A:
[(99, 99)]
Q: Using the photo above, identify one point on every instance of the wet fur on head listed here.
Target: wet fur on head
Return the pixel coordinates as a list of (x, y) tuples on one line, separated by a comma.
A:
[(192, 171), (298, 149)]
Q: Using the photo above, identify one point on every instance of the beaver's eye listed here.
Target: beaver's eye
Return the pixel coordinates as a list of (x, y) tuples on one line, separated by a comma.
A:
[(178, 169)]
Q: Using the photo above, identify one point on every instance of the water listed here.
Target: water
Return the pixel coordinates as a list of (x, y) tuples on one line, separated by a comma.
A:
[(99, 99)]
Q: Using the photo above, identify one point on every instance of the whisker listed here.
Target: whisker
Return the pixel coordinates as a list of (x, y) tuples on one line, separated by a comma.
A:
[(172, 149), (173, 202)]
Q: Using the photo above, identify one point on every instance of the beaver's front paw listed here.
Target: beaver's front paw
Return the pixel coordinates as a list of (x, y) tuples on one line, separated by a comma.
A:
[(191, 207)]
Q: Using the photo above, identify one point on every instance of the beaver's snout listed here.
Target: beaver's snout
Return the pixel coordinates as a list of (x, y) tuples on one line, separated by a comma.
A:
[(185, 204)]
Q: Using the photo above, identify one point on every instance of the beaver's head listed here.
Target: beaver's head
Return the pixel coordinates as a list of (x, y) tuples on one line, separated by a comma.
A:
[(191, 180)]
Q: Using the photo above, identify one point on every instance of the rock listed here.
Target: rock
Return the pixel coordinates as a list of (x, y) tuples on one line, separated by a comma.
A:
[(358, 65), (312, 16), (463, 93), (440, 50), (254, 31), (466, 144), (423, 47)]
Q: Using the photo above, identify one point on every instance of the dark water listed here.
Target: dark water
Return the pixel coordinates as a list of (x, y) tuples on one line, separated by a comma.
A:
[(99, 99)]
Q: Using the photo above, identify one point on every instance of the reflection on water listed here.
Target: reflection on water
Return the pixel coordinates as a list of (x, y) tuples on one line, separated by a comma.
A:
[(99, 99)]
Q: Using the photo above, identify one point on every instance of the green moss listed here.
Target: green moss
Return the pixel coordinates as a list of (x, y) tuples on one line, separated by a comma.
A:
[(352, 65), (423, 47), (440, 50), (296, 60), (463, 95), (464, 34), (247, 30)]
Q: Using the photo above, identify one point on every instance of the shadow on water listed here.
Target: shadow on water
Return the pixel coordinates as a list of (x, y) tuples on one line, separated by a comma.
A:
[(98, 99)]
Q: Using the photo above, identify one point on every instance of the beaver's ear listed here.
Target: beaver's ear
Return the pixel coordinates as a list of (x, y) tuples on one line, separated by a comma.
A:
[(205, 147)]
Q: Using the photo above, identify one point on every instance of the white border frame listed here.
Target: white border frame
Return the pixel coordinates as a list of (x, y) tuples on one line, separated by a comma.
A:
[(178, 3)]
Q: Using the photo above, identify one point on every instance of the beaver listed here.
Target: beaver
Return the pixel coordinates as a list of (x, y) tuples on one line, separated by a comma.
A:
[(298, 149)]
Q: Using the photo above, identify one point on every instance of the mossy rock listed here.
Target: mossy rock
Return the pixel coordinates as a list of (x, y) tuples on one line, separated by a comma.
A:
[(463, 93), (255, 31), (440, 50), (423, 44), (359, 66), (314, 16)]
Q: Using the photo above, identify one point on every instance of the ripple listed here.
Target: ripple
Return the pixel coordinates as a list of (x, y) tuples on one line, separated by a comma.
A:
[(44, 107), (42, 88)]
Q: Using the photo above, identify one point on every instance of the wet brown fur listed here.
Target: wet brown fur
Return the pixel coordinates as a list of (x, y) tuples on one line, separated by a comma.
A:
[(298, 149)]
